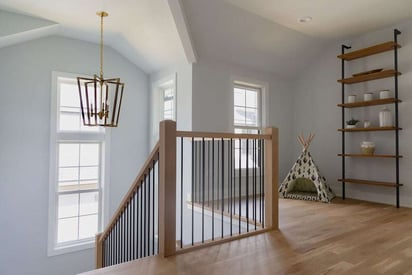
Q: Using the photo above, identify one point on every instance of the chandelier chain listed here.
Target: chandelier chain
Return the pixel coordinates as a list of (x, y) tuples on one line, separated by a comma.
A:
[(101, 45)]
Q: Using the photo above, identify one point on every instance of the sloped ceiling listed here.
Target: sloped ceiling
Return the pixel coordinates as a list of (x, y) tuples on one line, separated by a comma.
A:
[(260, 34), (142, 30), (226, 32)]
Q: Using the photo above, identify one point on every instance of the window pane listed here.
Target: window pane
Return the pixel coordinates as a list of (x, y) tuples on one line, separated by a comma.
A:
[(251, 117), (89, 203), (251, 99), (68, 205), (68, 154), (68, 174), (87, 226), (239, 116), (67, 230), (87, 173), (69, 95), (89, 154), (239, 98), (69, 121)]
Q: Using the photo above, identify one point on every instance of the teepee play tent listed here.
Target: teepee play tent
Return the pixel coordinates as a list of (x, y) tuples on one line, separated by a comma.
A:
[(304, 180)]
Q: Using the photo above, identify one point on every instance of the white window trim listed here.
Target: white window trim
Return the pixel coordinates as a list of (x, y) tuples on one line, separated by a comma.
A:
[(52, 248)]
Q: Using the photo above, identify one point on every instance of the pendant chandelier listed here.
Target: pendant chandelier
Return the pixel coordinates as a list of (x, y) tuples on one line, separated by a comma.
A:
[(100, 99)]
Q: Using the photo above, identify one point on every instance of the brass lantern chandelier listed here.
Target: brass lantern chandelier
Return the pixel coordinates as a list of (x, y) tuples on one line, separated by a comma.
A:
[(100, 99)]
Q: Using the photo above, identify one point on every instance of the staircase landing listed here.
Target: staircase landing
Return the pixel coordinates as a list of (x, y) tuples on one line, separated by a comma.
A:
[(314, 238)]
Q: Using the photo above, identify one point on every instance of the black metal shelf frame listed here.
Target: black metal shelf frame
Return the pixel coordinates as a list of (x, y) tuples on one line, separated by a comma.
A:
[(396, 32)]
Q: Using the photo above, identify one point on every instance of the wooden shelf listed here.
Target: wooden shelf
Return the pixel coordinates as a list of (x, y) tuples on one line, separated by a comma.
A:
[(370, 182), (367, 77), (368, 156), (380, 48), (370, 103), (369, 129)]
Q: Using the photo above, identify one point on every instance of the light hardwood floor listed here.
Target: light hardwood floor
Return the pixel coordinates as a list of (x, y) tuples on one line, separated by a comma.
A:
[(343, 237)]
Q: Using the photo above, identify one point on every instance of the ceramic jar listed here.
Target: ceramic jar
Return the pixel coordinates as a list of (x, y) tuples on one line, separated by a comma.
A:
[(385, 118), (384, 94), (367, 96), (368, 147), (351, 98)]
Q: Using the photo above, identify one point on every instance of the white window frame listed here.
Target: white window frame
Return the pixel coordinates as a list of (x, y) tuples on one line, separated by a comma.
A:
[(261, 89), (158, 88), (56, 137)]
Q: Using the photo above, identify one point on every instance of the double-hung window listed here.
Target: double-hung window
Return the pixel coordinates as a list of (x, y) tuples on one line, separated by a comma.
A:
[(76, 171), (247, 120)]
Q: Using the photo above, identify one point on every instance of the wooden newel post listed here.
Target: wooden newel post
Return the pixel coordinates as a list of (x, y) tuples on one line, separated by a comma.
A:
[(271, 179), (99, 251), (167, 188)]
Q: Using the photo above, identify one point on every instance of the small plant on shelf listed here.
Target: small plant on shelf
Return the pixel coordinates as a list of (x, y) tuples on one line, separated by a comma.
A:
[(351, 123)]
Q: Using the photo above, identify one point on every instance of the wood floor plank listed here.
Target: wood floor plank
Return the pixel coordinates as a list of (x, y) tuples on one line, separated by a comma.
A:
[(342, 237)]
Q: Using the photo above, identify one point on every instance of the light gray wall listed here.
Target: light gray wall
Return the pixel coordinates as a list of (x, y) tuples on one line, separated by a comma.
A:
[(213, 102), (25, 77), (316, 94)]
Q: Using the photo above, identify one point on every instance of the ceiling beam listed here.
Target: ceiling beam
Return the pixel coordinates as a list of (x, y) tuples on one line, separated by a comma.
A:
[(181, 24)]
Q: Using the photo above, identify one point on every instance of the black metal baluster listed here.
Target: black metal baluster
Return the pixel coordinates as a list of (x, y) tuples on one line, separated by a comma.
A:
[(230, 185), (144, 215), (141, 220), (223, 179), (263, 183), (193, 179), (208, 173), (203, 190), (154, 209), (260, 180), (213, 189), (181, 192), (121, 239), (114, 243), (254, 181), (127, 237), (240, 184), (218, 174), (133, 226), (149, 215), (247, 185)]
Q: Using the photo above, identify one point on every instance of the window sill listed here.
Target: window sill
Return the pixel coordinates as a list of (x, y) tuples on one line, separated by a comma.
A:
[(70, 248)]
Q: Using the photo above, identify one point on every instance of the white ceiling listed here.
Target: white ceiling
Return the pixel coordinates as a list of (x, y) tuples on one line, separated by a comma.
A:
[(331, 18), (258, 34)]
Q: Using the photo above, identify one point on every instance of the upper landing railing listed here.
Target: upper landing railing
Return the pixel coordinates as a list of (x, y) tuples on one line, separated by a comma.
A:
[(196, 189)]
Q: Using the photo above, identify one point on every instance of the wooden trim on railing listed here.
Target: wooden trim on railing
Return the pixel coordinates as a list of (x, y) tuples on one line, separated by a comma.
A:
[(167, 188), (223, 240), (99, 251), (137, 182), (209, 135), (271, 179)]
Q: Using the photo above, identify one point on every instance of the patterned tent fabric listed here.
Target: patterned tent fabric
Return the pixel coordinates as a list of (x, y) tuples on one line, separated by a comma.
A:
[(306, 168)]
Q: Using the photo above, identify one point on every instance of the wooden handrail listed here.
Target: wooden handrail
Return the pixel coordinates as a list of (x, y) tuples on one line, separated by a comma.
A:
[(217, 135), (154, 155)]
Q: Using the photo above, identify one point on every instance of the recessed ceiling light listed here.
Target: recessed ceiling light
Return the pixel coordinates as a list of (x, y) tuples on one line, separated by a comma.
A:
[(304, 19)]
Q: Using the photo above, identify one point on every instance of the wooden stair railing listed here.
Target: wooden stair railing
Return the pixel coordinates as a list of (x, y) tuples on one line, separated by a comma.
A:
[(123, 240)]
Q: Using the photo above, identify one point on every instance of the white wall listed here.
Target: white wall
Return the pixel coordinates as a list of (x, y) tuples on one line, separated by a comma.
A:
[(316, 94), (25, 77), (213, 102)]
